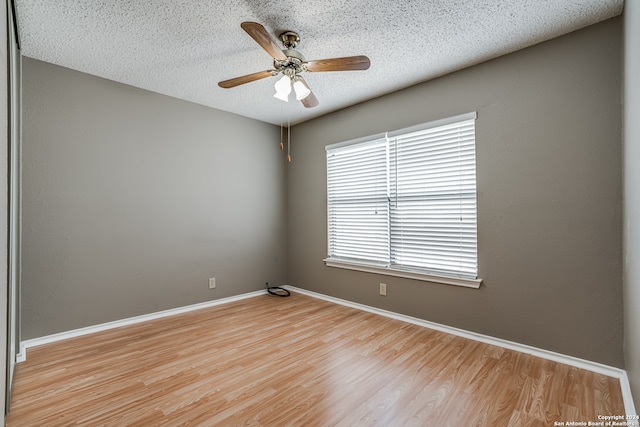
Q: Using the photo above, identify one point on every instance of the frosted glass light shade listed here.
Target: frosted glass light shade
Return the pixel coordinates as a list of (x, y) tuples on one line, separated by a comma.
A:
[(302, 91), (283, 88)]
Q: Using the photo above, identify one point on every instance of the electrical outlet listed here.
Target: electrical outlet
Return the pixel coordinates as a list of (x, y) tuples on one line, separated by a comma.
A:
[(383, 289), (212, 283)]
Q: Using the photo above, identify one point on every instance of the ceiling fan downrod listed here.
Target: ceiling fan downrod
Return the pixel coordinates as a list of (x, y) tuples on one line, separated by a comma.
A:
[(289, 39)]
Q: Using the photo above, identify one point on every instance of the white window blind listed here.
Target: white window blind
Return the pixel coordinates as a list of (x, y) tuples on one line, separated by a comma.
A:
[(433, 206), (406, 200), (358, 194)]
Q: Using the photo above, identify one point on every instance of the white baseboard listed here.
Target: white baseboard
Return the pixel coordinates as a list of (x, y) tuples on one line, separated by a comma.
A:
[(22, 356), (522, 348), (629, 405)]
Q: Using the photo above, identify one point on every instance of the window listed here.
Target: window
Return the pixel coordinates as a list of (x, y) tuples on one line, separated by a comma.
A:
[(404, 203)]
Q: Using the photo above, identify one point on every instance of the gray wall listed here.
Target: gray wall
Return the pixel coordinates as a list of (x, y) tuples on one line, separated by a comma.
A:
[(132, 200), (632, 196), (549, 197)]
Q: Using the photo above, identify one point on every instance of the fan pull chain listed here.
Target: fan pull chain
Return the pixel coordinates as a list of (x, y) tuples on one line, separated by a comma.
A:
[(288, 135), (281, 130), (281, 137), (288, 139)]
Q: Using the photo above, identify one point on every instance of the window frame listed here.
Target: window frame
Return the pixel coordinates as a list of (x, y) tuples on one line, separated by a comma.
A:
[(390, 269)]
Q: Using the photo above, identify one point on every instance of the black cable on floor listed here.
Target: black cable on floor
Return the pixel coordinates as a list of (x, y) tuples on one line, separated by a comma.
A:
[(278, 291)]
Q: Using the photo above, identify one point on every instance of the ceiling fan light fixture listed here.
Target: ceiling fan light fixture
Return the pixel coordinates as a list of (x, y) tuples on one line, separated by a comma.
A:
[(291, 63), (302, 91), (283, 88)]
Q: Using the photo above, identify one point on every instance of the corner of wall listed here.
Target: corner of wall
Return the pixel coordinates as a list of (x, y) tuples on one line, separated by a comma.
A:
[(631, 224)]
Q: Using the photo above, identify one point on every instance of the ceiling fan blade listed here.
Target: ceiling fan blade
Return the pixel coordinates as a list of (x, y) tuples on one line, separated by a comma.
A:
[(226, 84), (262, 37), (347, 63), (310, 100)]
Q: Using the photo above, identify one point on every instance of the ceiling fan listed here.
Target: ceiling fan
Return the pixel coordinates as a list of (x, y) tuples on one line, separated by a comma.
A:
[(291, 64)]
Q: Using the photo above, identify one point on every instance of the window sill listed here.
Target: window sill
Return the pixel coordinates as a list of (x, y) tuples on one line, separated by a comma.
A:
[(388, 271)]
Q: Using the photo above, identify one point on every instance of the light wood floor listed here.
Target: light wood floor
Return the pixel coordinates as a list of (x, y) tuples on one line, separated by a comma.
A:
[(297, 361)]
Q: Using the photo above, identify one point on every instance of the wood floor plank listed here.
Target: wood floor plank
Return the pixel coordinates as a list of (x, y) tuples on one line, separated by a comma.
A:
[(297, 361)]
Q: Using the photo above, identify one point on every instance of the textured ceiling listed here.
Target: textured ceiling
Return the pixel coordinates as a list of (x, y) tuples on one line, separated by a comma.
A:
[(182, 48)]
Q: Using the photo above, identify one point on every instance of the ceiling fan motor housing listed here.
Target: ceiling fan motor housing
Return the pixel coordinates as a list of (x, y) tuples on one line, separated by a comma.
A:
[(294, 64)]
